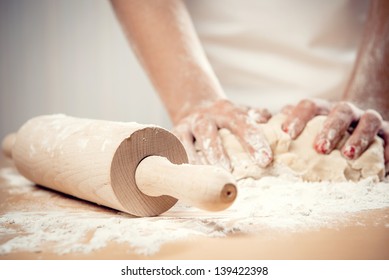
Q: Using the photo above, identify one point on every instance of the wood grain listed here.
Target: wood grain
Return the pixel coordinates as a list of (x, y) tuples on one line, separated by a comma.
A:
[(97, 160)]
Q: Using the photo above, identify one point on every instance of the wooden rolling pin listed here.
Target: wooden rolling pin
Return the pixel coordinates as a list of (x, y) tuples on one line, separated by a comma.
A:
[(138, 169)]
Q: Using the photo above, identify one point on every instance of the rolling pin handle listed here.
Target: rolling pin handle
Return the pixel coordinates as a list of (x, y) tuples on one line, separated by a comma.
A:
[(203, 186)]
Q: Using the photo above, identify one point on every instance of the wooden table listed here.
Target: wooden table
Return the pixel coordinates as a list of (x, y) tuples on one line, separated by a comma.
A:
[(364, 236)]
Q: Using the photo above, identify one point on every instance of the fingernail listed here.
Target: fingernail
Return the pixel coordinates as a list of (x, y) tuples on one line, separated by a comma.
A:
[(350, 152), (323, 146), (263, 158)]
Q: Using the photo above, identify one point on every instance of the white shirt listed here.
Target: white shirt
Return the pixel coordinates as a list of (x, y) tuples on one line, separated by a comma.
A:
[(269, 53)]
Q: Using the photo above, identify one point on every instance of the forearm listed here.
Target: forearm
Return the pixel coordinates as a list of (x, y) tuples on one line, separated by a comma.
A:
[(368, 87), (162, 36)]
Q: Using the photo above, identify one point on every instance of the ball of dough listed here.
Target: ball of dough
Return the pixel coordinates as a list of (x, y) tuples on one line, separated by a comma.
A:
[(299, 156)]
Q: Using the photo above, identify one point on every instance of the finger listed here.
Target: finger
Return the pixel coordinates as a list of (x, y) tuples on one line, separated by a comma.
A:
[(299, 117), (384, 133), (287, 110), (208, 139), (363, 135), (214, 151), (323, 106), (259, 115), (187, 141), (252, 140), (336, 125), (265, 113)]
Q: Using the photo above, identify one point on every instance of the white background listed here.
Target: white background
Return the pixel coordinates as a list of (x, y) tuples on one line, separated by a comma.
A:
[(70, 57)]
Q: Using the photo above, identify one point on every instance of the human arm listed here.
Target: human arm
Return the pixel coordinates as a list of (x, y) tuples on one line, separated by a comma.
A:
[(365, 100), (162, 36)]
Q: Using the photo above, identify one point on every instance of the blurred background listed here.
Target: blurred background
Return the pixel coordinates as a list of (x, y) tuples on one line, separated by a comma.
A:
[(70, 57)]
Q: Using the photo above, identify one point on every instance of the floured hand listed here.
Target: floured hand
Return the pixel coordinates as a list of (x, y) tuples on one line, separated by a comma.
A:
[(198, 132), (342, 117), (298, 157)]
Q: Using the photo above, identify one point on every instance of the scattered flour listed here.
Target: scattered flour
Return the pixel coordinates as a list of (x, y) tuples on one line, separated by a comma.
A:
[(281, 203), (17, 184)]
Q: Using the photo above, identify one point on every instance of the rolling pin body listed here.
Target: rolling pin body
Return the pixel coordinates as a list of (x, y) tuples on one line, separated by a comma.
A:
[(98, 161)]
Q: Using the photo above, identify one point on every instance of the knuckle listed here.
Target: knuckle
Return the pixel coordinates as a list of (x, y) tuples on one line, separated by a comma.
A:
[(307, 104), (265, 113), (371, 121), (239, 122), (223, 106), (199, 122), (235, 125), (258, 115), (342, 115), (372, 116), (287, 110), (344, 107)]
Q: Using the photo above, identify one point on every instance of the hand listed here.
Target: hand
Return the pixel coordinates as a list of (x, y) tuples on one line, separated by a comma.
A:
[(342, 117), (201, 127)]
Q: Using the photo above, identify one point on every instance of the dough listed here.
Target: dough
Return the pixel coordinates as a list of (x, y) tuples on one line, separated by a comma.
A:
[(300, 157)]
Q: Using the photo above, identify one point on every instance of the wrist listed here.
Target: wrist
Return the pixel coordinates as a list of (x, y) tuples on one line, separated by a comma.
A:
[(187, 93), (195, 106)]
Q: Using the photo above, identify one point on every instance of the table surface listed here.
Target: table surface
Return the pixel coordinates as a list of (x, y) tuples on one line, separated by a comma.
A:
[(365, 235)]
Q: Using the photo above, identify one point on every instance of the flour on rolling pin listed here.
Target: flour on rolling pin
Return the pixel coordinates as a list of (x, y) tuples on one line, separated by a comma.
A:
[(99, 160)]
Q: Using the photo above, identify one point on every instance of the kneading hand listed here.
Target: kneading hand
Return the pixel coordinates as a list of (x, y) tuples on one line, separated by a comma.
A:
[(200, 129), (342, 117)]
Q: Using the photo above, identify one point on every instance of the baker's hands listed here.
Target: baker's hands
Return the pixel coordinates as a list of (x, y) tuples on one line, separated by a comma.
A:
[(199, 129), (342, 117)]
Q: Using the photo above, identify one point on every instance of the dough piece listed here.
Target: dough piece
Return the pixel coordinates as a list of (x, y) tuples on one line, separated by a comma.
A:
[(300, 157)]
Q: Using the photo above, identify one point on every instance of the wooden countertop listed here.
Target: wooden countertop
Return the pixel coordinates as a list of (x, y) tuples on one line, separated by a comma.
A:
[(365, 235)]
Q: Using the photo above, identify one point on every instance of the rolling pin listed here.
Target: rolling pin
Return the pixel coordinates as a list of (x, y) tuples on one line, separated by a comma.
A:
[(138, 169)]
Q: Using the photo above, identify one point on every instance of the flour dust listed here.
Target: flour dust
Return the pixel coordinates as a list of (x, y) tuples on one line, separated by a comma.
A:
[(278, 203)]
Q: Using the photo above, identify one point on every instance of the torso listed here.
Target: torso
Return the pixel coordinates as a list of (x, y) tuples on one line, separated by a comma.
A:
[(273, 53)]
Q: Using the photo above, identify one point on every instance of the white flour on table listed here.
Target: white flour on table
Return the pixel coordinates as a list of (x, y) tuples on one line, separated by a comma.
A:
[(279, 203)]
